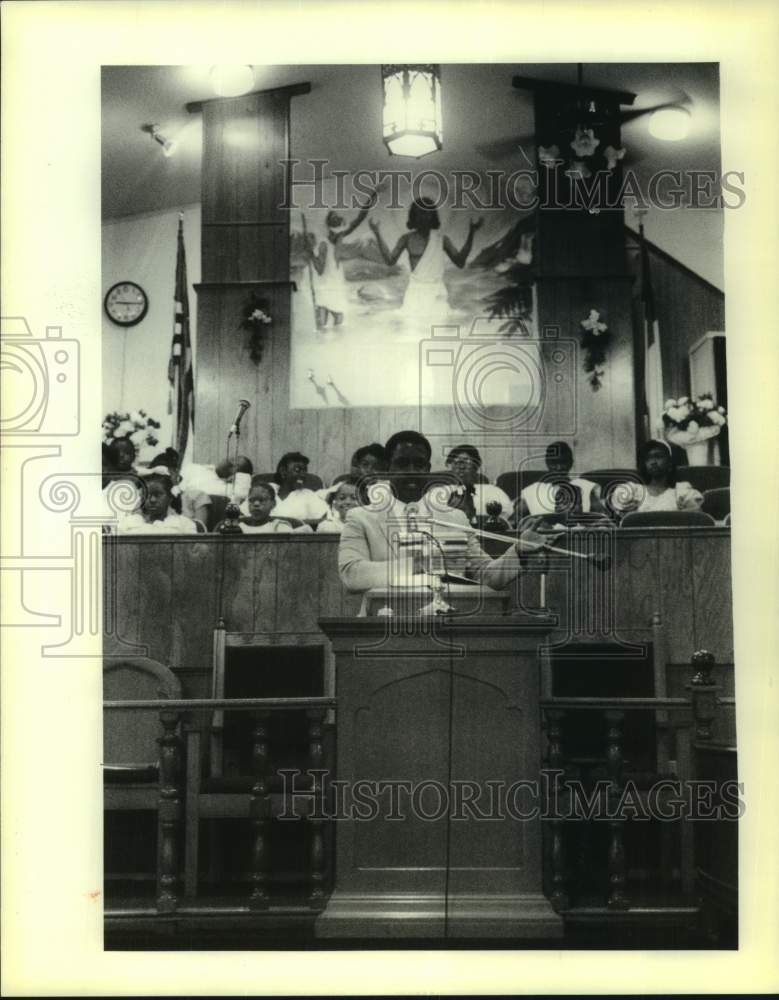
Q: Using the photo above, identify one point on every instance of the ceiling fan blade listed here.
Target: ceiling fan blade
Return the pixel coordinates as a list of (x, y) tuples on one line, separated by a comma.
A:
[(681, 100), (509, 147)]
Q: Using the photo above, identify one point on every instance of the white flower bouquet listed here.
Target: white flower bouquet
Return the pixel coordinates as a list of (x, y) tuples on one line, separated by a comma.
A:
[(137, 425), (687, 421)]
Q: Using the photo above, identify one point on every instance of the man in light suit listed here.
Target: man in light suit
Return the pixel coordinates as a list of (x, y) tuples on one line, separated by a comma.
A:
[(369, 536)]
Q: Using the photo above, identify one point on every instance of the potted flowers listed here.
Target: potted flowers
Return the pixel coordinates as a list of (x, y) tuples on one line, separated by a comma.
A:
[(693, 425), (595, 340), (256, 319), (135, 425)]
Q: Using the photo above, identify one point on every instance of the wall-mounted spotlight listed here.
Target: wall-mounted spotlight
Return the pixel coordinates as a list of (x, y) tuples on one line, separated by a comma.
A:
[(168, 145), (232, 81)]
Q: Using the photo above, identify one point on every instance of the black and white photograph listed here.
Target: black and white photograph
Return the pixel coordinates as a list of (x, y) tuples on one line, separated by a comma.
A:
[(459, 329), (467, 329)]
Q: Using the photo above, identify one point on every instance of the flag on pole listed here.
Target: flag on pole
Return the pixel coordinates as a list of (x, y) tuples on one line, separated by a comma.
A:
[(181, 399), (653, 366)]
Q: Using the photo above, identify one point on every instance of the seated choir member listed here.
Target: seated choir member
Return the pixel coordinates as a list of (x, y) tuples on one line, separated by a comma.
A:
[(293, 498), (260, 503), (235, 476), (368, 460), (119, 461), (194, 503), (659, 489), (340, 500), (367, 463), (558, 492), (366, 548), (156, 513), (464, 461)]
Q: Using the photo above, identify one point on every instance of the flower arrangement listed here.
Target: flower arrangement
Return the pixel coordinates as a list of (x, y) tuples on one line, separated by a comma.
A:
[(687, 421), (595, 341), (256, 318), (137, 425)]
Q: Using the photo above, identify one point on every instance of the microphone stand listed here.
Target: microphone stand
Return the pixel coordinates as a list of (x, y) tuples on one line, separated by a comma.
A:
[(232, 510), (439, 604)]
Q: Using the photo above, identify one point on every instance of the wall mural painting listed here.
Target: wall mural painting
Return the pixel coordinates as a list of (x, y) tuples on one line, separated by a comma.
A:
[(378, 286)]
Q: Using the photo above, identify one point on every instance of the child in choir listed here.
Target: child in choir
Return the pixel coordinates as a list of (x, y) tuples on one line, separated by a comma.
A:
[(472, 497), (260, 503), (236, 476), (192, 503), (119, 458), (293, 497), (559, 492), (156, 514), (340, 500), (659, 489)]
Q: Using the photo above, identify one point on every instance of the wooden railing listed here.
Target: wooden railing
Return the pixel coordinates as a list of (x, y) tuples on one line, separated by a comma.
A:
[(173, 790), (684, 723)]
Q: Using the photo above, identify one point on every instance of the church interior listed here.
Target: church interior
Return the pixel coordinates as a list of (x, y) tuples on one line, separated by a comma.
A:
[(523, 264)]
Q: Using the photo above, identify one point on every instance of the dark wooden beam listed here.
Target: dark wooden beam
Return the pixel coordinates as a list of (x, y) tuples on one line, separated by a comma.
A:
[(572, 90), (293, 90)]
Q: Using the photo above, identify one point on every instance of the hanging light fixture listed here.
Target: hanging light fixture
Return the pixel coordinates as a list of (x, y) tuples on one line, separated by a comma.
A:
[(412, 109)]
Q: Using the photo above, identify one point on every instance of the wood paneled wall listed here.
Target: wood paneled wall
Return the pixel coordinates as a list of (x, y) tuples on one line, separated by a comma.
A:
[(687, 307), (166, 594)]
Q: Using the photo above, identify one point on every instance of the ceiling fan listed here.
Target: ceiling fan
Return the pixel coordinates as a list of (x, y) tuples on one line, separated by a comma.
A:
[(580, 107)]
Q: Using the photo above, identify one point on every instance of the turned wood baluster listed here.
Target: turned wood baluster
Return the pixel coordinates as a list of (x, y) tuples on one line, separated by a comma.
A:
[(704, 694), (618, 898), (260, 812), (554, 727), (169, 815), (316, 818)]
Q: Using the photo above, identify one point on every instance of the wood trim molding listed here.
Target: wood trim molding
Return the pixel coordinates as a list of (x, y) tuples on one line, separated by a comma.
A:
[(293, 90)]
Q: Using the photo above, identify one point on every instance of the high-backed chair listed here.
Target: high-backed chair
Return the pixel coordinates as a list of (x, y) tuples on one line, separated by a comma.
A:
[(141, 757), (704, 477), (667, 519), (512, 483), (717, 503), (220, 787), (310, 480), (479, 478)]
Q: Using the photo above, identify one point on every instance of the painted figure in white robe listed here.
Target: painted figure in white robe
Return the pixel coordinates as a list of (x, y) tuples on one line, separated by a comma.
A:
[(327, 277), (425, 298)]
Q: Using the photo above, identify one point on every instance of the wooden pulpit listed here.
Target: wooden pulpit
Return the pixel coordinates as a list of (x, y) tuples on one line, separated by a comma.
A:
[(438, 752)]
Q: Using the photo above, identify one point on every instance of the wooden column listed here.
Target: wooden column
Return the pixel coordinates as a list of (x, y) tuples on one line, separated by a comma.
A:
[(581, 264), (245, 252)]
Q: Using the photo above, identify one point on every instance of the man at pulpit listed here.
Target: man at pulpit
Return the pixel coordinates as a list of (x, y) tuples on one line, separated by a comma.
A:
[(367, 548)]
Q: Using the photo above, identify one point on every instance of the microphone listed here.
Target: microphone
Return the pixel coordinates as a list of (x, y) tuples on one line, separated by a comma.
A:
[(243, 406), (411, 518)]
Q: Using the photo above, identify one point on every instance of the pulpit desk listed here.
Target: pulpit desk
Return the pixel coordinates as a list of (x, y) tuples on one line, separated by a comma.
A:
[(438, 756)]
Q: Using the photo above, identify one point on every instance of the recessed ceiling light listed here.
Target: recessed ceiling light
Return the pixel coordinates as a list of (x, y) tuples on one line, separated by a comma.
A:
[(232, 81), (670, 124)]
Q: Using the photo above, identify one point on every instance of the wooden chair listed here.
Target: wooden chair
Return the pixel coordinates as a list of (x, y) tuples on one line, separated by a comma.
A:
[(704, 477), (717, 503), (215, 791), (480, 479), (141, 757), (667, 519), (310, 480), (512, 483)]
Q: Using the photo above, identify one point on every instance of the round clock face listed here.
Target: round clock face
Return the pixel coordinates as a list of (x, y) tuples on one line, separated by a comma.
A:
[(126, 303)]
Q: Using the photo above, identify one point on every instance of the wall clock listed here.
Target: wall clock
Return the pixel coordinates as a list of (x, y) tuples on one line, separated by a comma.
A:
[(126, 303)]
